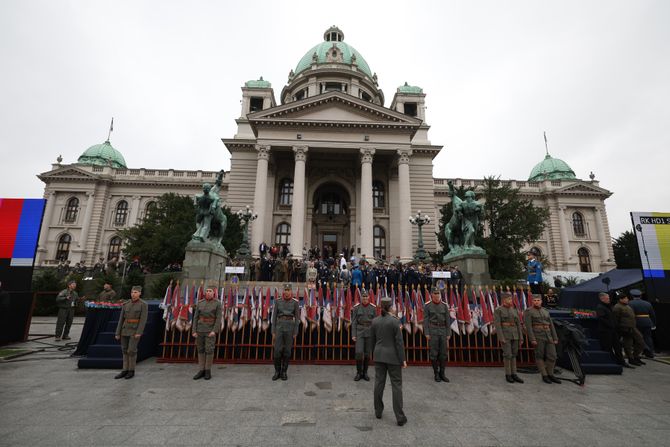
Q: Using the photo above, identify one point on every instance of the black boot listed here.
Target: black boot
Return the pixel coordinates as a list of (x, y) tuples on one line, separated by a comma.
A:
[(509, 379), (546, 379), (365, 369), (554, 379), (436, 372), (121, 375), (208, 374), (442, 376), (283, 369), (278, 367), (517, 379), (200, 375), (359, 374), (130, 375)]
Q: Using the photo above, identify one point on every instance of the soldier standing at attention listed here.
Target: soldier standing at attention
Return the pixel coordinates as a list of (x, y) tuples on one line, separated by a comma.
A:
[(389, 355), (645, 318), (438, 332), (107, 294), (542, 336), (510, 336), (625, 324), (206, 324), (285, 318), (129, 330), (361, 320), (66, 302)]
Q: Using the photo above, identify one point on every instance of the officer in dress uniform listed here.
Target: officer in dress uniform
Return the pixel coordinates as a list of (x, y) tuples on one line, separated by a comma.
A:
[(625, 323), (508, 327), (66, 301), (645, 319), (129, 330), (389, 355), (437, 328), (542, 336), (285, 319), (361, 320), (534, 273), (206, 325)]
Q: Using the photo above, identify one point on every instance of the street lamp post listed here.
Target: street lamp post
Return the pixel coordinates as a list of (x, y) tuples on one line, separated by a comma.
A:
[(420, 220), (246, 216)]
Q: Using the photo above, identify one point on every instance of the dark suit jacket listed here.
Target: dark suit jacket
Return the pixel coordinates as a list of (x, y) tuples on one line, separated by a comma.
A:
[(387, 340)]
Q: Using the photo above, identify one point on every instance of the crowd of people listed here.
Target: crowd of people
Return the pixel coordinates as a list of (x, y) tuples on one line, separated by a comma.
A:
[(101, 267)]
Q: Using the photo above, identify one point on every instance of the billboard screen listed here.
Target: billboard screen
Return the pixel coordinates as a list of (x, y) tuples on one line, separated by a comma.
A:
[(652, 230), (20, 222)]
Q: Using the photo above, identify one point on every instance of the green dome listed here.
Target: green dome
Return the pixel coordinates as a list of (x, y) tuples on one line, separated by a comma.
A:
[(551, 169), (412, 89), (102, 155), (333, 37), (261, 83)]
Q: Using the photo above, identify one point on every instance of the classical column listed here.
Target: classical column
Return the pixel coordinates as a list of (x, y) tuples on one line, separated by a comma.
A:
[(87, 221), (366, 202), (134, 211), (602, 238), (405, 208), (260, 192), (44, 233), (298, 205), (565, 243)]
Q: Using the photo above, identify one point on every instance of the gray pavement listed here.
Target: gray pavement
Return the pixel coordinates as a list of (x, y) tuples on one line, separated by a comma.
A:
[(46, 400)]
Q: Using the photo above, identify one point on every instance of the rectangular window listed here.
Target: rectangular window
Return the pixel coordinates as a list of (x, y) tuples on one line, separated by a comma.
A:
[(256, 104), (410, 108)]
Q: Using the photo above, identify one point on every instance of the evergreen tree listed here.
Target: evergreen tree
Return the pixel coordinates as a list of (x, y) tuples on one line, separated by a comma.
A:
[(626, 252)]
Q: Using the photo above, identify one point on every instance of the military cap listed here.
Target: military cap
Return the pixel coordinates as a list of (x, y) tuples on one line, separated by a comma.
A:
[(136, 289), (635, 292), (288, 286), (506, 295), (435, 289), (387, 300), (212, 286), (364, 292)]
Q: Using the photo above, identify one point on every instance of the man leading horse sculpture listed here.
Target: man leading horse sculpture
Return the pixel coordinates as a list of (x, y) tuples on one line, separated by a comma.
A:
[(461, 229)]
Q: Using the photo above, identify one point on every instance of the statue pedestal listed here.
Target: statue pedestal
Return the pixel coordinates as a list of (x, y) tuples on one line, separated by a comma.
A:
[(474, 267), (204, 262)]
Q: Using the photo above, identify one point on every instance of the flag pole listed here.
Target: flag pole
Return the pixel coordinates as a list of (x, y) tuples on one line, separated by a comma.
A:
[(111, 128), (546, 146)]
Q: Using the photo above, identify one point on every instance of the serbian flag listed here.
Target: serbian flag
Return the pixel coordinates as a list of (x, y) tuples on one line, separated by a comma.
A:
[(487, 316), (453, 311), (310, 308), (165, 305), (176, 305), (303, 313), (409, 315), (253, 307), (339, 309), (327, 309), (266, 310), (419, 311), (475, 311)]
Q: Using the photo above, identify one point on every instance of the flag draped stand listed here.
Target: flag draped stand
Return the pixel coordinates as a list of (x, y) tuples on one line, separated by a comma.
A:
[(246, 337)]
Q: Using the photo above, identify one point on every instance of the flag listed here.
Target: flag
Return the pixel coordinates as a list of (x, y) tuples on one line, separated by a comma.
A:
[(453, 312), (487, 316), (165, 305), (327, 309), (266, 310), (303, 313), (176, 306)]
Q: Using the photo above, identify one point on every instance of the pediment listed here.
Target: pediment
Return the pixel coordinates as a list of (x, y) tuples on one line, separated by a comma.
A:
[(69, 172), (333, 107), (583, 188)]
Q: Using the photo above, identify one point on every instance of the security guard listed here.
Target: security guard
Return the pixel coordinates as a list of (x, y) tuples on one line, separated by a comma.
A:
[(438, 332), (285, 319), (508, 327), (206, 325), (389, 354), (645, 319), (543, 338), (129, 330), (66, 301), (361, 320), (625, 324)]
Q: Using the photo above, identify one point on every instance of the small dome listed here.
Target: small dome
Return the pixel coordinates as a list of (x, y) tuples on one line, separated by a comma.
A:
[(333, 38), (551, 169), (260, 83), (102, 155), (411, 89)]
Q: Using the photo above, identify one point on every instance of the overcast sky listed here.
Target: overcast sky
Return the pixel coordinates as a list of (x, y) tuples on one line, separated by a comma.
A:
[(595, 75)]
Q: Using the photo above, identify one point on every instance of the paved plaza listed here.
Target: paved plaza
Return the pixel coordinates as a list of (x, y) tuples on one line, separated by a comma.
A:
[(46, 400)]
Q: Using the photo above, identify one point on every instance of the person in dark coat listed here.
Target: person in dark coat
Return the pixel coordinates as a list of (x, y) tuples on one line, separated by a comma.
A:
[(609, 339), (645, 320), (389, 356)]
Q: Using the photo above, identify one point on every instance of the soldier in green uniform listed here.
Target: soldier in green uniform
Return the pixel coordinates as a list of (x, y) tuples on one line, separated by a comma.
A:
[(108, 293), (66, 301), (206, 325), (543, 338), (129, 330), (361, 320), (389, 355), (626, 326), (508, 327), (285, 319), (438, 332)]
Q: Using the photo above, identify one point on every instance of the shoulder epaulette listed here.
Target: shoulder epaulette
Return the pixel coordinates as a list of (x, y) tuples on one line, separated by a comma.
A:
[(357, 304), (373, 305), (296, 300), (427, 302)]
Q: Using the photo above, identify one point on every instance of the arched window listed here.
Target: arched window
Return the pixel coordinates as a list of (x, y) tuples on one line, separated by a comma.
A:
[(379, 242), (377, 194), (286, 192), (584, 260), (114, 248), (283, 233), (331, 203), (121, 213), (63, 247), (578, 224), (71, 209), (150, 206)]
